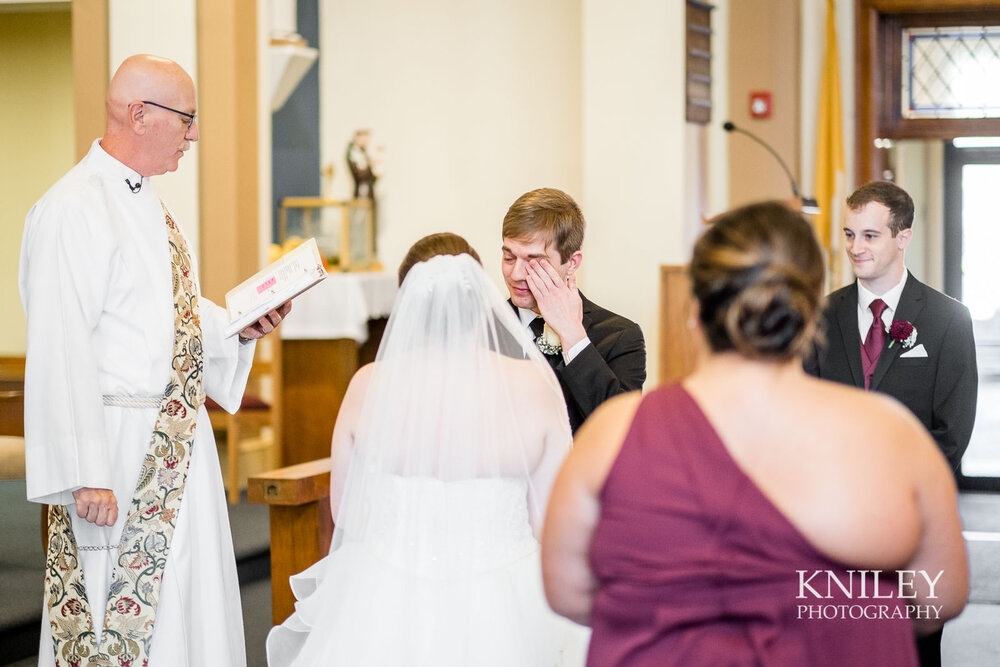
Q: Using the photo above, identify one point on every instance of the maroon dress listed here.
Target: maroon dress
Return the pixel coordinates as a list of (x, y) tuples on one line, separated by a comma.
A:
[(695, 566)]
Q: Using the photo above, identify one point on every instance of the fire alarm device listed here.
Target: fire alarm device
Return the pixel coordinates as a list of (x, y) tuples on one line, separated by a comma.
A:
[(760, 104)]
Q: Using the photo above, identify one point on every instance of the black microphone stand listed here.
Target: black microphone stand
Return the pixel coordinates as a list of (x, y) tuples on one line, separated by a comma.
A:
[(809, 204)]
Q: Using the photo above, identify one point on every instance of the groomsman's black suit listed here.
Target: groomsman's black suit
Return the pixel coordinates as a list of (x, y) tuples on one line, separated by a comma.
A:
[(940, 389), (613, 363)]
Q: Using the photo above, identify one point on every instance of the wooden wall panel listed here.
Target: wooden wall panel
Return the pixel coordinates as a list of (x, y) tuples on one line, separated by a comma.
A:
[(764, 38), (228, 146), (91, 70), (680, 344)]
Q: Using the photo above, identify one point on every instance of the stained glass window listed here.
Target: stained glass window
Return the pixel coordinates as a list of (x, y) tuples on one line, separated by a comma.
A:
[(951, 72)]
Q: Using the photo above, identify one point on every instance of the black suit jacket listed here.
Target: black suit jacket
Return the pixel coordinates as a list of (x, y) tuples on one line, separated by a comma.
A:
[(614, 363), (940, 389)]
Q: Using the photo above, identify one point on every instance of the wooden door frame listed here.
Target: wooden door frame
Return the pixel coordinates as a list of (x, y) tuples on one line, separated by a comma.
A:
[(877, 23)]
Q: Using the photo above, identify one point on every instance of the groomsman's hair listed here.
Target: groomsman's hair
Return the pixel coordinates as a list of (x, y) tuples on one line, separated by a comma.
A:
[(443, 243), (550, 213), (891, 196), (757, 273)]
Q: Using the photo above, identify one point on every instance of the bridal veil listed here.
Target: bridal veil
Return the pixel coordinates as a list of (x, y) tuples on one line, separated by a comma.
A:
[(461, 431)]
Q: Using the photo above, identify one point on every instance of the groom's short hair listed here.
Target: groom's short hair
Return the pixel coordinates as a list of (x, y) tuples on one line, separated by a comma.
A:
[(891, 196), (550, 213)]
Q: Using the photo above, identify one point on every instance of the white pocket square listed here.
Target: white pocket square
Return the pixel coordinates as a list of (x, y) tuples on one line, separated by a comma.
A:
[(915, 353)]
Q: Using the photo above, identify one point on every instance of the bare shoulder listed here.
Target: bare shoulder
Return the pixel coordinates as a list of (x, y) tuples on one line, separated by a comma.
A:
[(529, 382), (597, 444), (358, 386), (364, 373), (852, 464), (873, 417), (613, 414)]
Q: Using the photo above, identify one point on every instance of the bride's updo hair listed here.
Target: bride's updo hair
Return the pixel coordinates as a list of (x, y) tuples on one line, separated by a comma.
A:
[(443, 243), (757, 274)]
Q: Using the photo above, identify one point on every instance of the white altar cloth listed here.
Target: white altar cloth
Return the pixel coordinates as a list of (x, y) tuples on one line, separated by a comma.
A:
[(340, 307)]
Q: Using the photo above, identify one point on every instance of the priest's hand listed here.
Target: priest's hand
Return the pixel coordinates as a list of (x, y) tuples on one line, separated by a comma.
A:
[(266, 324), (96, 505), (558, 300)]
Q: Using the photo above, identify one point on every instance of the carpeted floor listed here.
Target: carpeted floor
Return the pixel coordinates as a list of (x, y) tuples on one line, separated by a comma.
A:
[(973, 639), (21, 575)]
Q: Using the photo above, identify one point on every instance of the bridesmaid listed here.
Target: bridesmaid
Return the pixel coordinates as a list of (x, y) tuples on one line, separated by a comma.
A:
[(752, 515)]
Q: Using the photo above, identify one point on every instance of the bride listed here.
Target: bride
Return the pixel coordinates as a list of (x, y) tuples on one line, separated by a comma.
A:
[(444, 452)]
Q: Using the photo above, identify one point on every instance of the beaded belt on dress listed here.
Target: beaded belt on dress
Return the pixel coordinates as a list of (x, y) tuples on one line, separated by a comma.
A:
[(133, 401)]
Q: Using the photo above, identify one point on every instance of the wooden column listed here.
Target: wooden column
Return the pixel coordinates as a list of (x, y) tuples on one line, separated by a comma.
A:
[(680, 345), (91, 70), (228, 147), (301, 525)]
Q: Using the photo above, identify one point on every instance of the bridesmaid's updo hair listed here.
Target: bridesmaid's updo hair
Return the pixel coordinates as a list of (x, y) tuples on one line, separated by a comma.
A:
[(443, 243), (757, 274)]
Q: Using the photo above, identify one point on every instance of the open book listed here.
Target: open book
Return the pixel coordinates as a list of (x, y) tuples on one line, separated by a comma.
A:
[(286, 277)]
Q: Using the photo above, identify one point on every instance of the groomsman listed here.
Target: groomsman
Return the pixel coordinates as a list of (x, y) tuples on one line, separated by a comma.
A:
[(890, 333), (595, 353)]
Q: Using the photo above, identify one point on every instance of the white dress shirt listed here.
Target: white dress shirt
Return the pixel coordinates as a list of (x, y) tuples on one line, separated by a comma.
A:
[(891, 299)]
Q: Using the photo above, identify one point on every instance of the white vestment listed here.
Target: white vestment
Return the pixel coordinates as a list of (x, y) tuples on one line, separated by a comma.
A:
[(95, 281)]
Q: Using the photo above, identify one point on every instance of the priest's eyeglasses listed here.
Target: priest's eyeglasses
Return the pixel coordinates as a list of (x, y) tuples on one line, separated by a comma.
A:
[(190, 116)]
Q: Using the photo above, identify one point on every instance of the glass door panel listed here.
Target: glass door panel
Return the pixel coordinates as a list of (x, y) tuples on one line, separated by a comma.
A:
[(980, 281)]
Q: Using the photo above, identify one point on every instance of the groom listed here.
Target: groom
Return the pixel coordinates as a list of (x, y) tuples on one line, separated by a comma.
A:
[(890, 333), (595, 353)]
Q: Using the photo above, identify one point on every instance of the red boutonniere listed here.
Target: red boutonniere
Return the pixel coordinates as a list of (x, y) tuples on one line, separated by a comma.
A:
[(901, 331)]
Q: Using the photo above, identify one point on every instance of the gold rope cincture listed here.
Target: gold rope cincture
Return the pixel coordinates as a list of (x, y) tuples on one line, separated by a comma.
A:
[(149, 528)]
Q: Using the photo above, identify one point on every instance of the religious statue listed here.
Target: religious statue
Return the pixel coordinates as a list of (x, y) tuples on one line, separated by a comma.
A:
[(362, 169)]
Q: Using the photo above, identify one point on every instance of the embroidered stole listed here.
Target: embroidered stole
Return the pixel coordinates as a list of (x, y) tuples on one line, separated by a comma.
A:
[(149, 528)]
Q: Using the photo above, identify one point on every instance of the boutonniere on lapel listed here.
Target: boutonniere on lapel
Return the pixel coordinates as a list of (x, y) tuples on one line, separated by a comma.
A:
[(901, 331), (548, 342)]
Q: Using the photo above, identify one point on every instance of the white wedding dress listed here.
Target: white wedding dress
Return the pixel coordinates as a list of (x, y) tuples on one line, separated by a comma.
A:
[(367, 607), (443, 458)]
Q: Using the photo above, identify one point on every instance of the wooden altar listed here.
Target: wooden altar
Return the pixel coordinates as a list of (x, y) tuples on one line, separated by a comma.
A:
[(333, 329)]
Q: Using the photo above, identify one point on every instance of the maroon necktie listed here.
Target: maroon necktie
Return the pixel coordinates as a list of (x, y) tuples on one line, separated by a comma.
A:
[(874, 341)]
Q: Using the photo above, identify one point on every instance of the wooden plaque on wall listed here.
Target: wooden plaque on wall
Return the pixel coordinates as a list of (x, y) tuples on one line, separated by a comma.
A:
[(698, 66)]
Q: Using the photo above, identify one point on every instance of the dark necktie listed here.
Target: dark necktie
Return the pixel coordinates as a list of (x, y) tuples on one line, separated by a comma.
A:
[(875, 339), (537, 326)]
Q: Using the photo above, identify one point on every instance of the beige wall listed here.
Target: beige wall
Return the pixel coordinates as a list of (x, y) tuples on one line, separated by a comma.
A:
[(165, 29), (919, 169), (764, 55), (475, 104), (36, 137), (635, 164), (37, 118)]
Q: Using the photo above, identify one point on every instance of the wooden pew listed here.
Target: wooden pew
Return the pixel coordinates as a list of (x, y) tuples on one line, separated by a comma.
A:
[(301, 525), (12, 396)]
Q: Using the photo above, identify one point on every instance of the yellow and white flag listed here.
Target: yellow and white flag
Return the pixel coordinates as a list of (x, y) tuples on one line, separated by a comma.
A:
[(830, 174)]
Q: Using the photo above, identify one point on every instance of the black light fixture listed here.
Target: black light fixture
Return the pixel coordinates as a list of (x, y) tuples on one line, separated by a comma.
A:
[(809, 204)]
